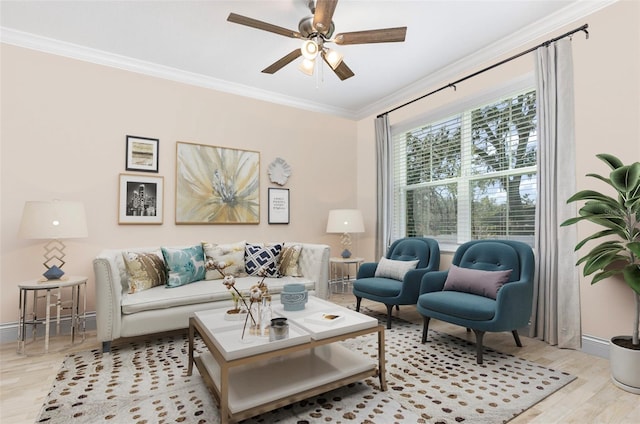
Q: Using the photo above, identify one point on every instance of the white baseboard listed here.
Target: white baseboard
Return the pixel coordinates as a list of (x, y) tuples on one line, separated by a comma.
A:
[(9, 331), (595, 346)]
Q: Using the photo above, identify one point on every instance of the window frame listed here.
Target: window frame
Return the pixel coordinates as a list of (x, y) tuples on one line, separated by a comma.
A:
[(397, 222)]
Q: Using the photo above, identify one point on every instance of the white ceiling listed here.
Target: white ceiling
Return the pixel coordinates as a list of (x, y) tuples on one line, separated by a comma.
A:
[(191, 41)]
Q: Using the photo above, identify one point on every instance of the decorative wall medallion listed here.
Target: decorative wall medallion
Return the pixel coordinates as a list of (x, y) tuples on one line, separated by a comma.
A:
[(279, 171)]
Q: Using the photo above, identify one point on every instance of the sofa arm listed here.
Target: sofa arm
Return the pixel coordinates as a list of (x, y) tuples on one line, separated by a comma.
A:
[(108, 299), (367, 270), (314, 265), (514, 304), (433, 281)]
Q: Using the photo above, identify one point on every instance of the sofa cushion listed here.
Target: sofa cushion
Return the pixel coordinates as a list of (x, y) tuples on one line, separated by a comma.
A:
[(388, 268), (458, 304), (144, 270), (204, 291), (258, 256), (378, 286), (289, 260), (476, 281), (185, 265), (232, 254)]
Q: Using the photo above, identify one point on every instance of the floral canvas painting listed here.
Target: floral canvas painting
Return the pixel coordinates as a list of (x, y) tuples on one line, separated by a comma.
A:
[(217, 185)]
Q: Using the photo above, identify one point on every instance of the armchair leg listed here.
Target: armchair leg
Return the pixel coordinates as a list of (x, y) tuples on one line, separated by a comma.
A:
[(397, 307), (389, 310), (425, 328), (479, 336), (516, 338), (358, 300)]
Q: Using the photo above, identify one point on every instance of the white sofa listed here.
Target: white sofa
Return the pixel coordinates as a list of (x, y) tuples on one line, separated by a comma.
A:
[(120, 314)]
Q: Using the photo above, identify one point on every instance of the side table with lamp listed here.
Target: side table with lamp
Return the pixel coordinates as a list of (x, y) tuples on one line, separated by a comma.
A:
[(340, 272), (344, 221), (53, 220)]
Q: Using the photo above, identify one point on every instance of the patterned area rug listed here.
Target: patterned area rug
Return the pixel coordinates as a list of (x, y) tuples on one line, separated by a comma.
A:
[(438, 382)]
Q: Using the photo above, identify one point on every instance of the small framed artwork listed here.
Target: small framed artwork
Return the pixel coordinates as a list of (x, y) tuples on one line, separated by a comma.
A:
[(278, 206), (142, 154), (141, 199)]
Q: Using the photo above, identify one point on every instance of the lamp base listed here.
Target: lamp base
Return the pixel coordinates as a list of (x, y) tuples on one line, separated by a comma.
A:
[(53, 273), (346, 254)]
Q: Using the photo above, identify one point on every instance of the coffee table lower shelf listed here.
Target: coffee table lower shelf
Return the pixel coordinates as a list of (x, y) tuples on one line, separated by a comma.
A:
[(269, 384), (248, 386)]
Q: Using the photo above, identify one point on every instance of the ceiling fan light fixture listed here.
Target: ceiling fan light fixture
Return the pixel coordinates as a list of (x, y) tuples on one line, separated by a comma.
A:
[(309, 49), (307, 66), (334, 58)]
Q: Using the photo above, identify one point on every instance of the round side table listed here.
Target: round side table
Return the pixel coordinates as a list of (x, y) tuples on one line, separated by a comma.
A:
[(340, 272), (53, 289)]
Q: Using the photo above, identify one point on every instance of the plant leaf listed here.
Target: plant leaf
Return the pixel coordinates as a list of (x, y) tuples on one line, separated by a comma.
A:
[(632, 277), (626, 179), (600, 262), (612, 161), (604, 274), (635, 248), (594, 236)]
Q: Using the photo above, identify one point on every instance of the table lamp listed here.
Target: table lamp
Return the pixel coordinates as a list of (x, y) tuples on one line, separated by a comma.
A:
[(54, 220), (345, 221)]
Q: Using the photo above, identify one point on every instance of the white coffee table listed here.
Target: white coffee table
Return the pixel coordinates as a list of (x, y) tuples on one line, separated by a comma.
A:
[(252, 376)]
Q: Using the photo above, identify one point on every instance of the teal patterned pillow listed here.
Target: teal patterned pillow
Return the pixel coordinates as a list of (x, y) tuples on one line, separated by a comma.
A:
[(186, 265)]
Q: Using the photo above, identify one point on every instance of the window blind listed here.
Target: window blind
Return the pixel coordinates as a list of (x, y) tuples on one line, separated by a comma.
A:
[(470, 175)]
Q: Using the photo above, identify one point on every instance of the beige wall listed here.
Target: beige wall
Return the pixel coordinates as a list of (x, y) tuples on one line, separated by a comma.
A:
[(607, 95), (63, 136), (64, 122)]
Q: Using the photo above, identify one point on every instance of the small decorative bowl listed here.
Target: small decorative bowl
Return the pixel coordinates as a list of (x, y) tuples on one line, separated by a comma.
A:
[(294, 297)]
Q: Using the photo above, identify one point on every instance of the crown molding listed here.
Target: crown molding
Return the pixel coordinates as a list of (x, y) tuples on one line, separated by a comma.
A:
[(99, 57), (569, 14), (526, 36)]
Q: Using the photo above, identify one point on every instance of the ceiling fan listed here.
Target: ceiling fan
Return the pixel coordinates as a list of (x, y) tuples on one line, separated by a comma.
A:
[(316, 31)]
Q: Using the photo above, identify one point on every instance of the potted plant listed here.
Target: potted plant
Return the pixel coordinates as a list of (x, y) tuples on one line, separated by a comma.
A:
[(617, 255)]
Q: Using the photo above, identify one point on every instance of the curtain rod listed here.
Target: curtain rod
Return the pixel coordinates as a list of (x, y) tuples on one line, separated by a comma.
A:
[(495, 65)]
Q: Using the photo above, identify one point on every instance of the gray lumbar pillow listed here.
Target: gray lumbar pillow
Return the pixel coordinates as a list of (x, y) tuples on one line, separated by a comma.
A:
[(389, 268)]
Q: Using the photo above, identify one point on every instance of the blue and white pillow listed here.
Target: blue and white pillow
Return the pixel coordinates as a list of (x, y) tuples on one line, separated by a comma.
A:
[(186, 265), (257, 256)]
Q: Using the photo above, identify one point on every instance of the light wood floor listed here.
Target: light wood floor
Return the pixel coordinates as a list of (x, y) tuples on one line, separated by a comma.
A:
[(591, 398)]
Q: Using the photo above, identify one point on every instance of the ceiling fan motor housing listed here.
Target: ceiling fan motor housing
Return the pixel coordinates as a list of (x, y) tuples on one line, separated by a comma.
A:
[(306, 29)]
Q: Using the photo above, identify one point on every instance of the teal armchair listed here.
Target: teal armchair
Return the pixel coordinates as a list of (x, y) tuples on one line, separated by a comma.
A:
[(468, 302), (401, 289)]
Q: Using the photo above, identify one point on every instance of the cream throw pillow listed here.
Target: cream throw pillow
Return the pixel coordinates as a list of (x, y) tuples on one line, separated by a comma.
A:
[(231, 254)]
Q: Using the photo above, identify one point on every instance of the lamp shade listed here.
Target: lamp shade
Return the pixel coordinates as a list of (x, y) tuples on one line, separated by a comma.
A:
[(345, 221), (56, 219)]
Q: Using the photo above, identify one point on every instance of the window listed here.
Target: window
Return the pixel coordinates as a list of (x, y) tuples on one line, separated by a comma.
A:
[(469, 175)]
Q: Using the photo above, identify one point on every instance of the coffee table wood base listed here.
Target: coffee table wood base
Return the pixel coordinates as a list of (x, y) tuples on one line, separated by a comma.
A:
[(253, 385)]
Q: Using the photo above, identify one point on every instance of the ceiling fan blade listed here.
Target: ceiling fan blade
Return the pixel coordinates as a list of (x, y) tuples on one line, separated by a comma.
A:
[(342, 70), (264, 26), (281, 63), (385, 35), (323, 14)]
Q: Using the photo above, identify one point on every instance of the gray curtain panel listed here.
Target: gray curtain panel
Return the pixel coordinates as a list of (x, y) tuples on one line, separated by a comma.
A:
[(384, 188), (556, 308)]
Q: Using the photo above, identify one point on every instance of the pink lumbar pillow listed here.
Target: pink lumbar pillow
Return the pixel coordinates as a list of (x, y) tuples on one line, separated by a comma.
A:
[(476, 281)]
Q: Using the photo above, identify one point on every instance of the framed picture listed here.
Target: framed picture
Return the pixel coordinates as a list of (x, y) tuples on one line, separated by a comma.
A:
[(141, 199), (278, 206), (142, 154), (217, 185)]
